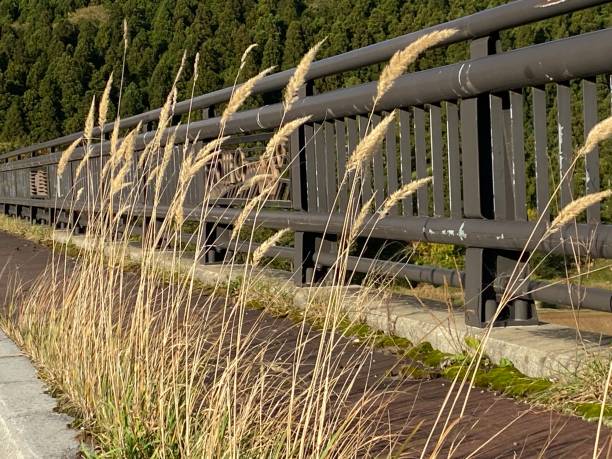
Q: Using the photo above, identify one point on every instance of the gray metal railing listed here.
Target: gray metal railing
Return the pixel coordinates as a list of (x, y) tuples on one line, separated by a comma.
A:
[(465, 124)]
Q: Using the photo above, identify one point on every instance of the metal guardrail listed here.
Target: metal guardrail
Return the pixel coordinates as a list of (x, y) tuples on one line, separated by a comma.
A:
[(477, 25), (463, 123)]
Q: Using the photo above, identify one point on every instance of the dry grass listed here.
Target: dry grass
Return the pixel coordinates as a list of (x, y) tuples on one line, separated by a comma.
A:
[(153, 368), (400, 61)]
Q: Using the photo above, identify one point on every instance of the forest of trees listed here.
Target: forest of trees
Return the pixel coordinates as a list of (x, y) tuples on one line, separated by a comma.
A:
[(55, 54)]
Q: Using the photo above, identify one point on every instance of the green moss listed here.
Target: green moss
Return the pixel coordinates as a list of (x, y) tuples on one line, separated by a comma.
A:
[(591, 411), (424, 352), (510, 381)]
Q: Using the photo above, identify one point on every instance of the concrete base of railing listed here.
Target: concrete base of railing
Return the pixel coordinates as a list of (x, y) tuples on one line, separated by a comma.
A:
[(544, 350)]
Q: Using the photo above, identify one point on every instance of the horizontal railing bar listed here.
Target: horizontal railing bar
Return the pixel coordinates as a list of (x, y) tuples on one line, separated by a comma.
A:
[(555, 293), (246, 246), (416, 273), (476, 25), (587, 239), (596, 299), (556, 61), (578, 296)]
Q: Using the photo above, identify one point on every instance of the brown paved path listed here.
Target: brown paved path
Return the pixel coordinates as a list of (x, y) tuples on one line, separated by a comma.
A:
[(493, 426)]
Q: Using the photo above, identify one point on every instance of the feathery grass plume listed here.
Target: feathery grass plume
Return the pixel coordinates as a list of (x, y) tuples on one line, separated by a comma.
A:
[(161, 168), (248, 208), (241, 94), (575, 208), (125, 152), (114, 140), (256, 179), (281, 136), (125, 33), (165, 115), (366, 147), (246, 53), (103, 108), (298, 78), (180, 70), (364, 212), (191, 165), (114, 146), (260, 252), (83, 161), (400, 61), (600, 132), (206, 153), (63, 162), (405, 191), (89, 122), (196, 67)]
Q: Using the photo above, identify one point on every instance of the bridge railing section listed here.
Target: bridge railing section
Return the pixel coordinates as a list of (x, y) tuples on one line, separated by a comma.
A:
[(480, 128)]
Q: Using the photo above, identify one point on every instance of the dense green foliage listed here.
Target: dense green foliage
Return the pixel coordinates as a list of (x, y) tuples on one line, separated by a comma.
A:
[(55, 54)]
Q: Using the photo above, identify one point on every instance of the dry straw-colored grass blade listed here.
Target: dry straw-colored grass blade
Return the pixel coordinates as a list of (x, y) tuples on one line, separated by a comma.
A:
[(246, 211), (400, 61), (281, 136), (363, 214), (89, 122), (298, 78), (104, 101), (241, 94), (405, 191), (260, 252), (575, 208), (63, 162), (255, 180), (125, 153), (246, 53), (600, 132), (367, 146)]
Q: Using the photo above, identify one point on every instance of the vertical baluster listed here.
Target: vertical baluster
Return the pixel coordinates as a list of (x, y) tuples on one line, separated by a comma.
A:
[(330, 165), (421, 160), (391, 157), (366, 183), (564, 125), (454, 160), (405, 158), (304, 243), (501, 188), (541, 153), (437, 161), (589, 101), (311, 167), (321, 174), (518, 155), (341, 149), (352, 129), (378, 168)]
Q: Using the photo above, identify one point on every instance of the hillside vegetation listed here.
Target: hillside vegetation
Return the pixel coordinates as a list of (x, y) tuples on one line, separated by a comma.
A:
[(55, 54)]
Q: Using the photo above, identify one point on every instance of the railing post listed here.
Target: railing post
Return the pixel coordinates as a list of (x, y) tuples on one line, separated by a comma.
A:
[(488, 195), (304, 243), (212, 231)]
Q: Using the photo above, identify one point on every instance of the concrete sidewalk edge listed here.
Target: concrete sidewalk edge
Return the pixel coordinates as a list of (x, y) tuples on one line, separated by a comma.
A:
[(29, 426)]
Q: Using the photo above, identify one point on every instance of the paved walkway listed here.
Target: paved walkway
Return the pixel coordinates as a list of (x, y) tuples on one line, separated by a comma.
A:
[(493, 426)]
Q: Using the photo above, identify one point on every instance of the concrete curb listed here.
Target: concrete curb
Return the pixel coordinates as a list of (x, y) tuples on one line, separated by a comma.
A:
[(544, 350), (29, 426)]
